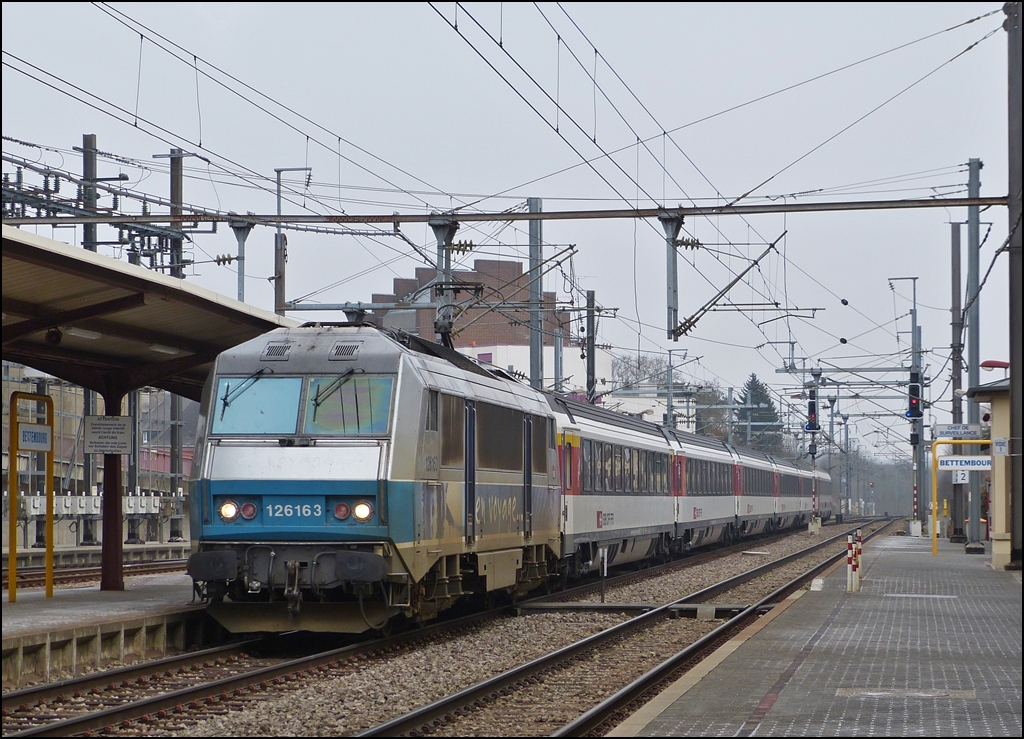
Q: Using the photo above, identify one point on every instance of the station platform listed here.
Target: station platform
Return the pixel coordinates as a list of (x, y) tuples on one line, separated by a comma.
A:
[(84, 627), (930, 646), (75, 607)]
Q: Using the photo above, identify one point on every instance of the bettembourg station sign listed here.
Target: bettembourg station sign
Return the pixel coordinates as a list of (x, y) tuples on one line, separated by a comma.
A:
[(979, 463)]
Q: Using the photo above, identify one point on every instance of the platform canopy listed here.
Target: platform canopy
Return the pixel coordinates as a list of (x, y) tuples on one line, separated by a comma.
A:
[(114, 327)]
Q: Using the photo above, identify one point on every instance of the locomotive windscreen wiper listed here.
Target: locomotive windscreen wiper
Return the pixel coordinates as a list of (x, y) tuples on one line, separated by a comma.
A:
[(325, 392), (230, 397)]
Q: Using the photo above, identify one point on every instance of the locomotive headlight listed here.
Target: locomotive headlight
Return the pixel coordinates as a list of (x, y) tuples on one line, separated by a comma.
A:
[(229, 511), (362, 511)]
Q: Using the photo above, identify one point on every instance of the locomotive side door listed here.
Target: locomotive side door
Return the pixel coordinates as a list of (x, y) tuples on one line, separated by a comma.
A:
[(528, 476), (470, 475)]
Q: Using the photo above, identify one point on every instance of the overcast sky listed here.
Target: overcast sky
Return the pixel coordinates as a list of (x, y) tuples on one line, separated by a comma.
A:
[(417, 108)]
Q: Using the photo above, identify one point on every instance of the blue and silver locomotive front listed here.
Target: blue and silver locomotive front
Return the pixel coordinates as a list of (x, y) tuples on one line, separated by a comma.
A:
[(290, 491)]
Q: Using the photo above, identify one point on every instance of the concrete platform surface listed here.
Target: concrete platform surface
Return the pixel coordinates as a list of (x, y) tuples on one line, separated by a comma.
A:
[(73, 607), (930, 646)]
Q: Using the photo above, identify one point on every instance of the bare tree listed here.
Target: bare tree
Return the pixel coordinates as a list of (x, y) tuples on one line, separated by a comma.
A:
[(631, 371)]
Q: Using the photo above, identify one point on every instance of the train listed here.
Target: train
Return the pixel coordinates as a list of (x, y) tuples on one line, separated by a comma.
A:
[(347, 478)]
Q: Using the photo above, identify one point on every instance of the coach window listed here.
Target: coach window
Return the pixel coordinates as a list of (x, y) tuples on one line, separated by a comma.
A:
[(607, 455), (645, 486), (453, 422), (627, 470), (588, 472), (617, 469)]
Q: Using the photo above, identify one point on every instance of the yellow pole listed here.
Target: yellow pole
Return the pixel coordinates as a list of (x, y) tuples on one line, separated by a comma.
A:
[(935, 484), (935, 499)]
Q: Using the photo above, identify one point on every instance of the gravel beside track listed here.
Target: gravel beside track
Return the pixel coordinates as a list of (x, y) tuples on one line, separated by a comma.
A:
[(363, 694)]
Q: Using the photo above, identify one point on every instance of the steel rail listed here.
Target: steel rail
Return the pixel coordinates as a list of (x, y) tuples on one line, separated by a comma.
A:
[(636, 691), (35, 694), (225, 688), (434, 714), (35, 576)]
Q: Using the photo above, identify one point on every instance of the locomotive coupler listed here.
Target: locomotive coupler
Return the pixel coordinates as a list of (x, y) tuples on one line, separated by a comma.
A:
[(291, 587)]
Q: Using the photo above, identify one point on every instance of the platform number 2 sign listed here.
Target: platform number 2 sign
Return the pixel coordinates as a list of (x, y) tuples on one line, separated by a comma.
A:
[(961, 476)]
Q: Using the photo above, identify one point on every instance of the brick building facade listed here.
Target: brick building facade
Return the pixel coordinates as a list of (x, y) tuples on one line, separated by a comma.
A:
[(497, 281)]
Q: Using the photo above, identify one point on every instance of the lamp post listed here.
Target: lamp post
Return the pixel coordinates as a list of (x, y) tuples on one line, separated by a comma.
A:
[(670, 413), (280, 245), (831, 440), (846, 446), (813, 448)]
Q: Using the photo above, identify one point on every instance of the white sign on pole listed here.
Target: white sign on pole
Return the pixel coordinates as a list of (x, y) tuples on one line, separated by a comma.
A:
[(108, 435), (34, 437), (961, 477), (1001, 447), (957, 430), (965, 463)]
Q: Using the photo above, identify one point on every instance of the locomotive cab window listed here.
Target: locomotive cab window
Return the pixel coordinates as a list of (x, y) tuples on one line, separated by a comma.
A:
[(257, 404), (349, 404)]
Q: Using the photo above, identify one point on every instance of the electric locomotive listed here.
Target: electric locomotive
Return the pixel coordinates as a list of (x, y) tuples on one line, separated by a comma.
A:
[(344, 478)]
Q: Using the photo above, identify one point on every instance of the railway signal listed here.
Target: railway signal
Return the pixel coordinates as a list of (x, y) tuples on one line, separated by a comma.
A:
[(914, 396), (812, 411)]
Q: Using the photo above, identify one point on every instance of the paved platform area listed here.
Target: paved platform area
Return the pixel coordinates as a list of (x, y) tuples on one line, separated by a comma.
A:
[(930, 646), (77, 607)]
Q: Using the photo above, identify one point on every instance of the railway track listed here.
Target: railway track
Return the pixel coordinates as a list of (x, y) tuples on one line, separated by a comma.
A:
[(588, 687), (132, 702), (152, 691), (35, 577)]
